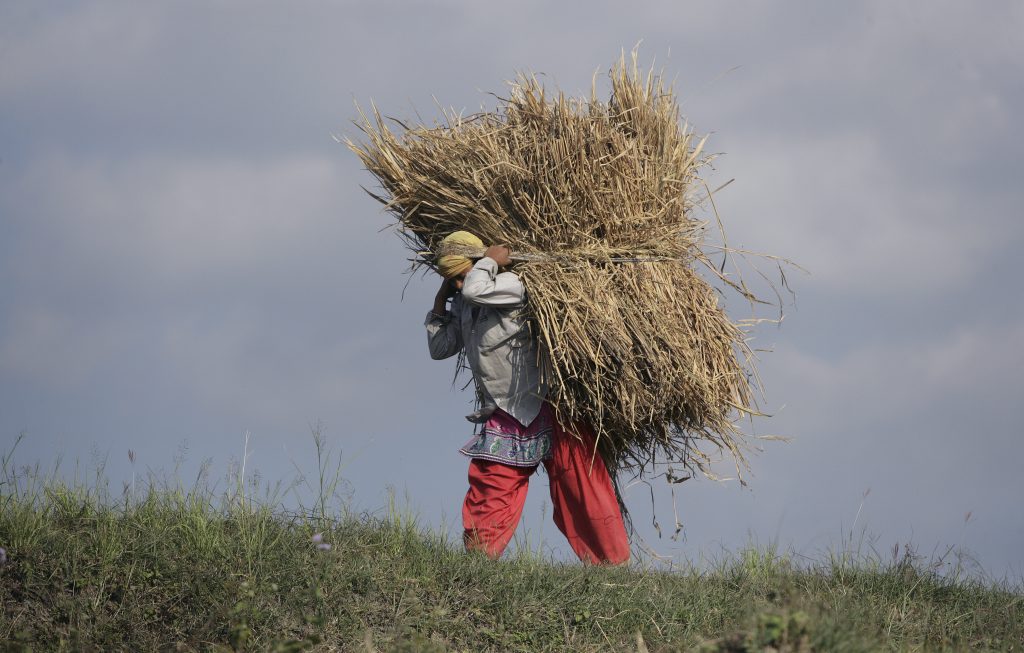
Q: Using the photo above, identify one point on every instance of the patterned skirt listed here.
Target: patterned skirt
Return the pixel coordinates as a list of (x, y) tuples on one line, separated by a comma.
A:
[(504, 440)]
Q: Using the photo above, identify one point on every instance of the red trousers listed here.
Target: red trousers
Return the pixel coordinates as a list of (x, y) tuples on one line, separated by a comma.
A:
[(582, 497)]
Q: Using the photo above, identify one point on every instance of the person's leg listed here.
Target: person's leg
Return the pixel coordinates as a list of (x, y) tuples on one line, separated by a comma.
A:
[(493, 505), (583, 499)]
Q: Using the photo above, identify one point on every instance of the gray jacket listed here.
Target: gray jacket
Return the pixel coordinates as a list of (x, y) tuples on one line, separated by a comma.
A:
[(488, 319)]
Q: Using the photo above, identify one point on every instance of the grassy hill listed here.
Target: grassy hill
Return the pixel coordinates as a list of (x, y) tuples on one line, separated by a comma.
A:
[(170, 568)]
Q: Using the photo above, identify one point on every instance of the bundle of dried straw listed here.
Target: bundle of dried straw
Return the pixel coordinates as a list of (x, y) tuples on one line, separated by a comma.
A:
[(595, 199)]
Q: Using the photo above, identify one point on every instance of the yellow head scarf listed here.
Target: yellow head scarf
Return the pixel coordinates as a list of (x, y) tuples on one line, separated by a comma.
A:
[(451, 265)]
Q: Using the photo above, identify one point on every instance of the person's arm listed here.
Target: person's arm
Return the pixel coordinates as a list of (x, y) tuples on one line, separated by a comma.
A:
[(444, 337), (486, 286)]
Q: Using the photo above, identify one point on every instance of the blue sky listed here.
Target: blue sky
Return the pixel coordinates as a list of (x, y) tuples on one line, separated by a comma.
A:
[(186, 254)]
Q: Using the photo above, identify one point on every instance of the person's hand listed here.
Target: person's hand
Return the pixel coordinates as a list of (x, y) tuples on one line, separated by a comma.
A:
[(500, 254), (444, 293), (448, 289)]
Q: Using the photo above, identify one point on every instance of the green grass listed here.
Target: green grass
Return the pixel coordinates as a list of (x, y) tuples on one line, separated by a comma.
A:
[(165, 567)]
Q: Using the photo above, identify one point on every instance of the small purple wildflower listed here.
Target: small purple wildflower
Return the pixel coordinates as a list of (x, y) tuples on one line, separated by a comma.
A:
[(317, 538), (324, 546), (3, 556)]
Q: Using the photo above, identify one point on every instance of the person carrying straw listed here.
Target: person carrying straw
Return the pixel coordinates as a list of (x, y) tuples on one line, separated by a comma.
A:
[(487, 321)]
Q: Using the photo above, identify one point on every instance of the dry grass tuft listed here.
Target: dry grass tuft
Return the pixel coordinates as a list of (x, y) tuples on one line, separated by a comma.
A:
[(596, 201)]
